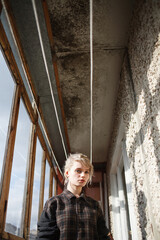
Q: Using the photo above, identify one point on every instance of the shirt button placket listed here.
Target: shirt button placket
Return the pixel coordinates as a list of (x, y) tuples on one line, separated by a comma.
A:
[(78, 218)]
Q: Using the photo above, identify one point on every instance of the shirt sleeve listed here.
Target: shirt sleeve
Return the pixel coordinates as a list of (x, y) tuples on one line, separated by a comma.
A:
[(103, 231), (47, 225)]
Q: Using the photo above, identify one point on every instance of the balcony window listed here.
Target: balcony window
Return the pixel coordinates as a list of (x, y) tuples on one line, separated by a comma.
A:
[(6, 94), (36, 191), (15, 201), (46, 186)]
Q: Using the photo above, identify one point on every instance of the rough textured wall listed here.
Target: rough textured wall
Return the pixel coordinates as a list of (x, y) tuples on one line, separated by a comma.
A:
[(139, 104)]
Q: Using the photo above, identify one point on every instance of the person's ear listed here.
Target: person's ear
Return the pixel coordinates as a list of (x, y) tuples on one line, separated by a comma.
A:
[(67, 173)]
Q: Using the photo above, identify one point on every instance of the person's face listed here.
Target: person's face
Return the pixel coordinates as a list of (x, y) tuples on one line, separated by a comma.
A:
[(78, 174)]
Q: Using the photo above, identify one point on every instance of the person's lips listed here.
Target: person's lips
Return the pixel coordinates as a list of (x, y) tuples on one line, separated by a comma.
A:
[(81, 180)]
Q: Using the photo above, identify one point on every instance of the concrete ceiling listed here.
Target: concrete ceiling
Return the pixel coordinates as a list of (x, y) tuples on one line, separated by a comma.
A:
[(71, 32), (70, 29)]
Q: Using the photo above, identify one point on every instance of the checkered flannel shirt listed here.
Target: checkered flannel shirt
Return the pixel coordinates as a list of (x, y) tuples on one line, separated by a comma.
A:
[(66, 217)]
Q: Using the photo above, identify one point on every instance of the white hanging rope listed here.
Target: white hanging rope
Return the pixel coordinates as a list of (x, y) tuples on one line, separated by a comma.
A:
[(39, 116), (48, 75), (91, 80)]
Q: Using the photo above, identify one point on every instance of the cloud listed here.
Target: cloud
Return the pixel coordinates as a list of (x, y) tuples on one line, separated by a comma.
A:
[(14, 208)]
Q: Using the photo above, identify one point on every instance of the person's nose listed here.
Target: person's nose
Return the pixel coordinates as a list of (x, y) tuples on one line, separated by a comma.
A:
[(82, 174)]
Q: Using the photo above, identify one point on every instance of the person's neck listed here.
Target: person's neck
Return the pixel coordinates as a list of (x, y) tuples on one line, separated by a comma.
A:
[(74, 189)]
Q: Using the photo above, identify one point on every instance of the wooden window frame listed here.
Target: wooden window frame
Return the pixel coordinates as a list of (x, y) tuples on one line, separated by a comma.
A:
[(21, 92), (51, 176)]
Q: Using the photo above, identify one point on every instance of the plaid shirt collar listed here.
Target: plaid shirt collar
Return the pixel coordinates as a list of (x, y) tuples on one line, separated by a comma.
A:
[(70, 195)]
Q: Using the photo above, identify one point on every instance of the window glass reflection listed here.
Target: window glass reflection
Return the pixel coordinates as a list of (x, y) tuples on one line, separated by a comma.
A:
[(36, 191), (46, 187), (6, 94), (15, 201)]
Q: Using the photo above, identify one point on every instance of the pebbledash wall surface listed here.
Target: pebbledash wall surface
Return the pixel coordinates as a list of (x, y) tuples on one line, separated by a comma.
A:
[(137, 115)]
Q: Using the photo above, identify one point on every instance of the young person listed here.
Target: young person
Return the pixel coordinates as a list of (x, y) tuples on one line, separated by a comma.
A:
[(72, 215)]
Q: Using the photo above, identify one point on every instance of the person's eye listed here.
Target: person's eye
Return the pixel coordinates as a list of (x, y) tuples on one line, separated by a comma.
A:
[(87, 172), (78, 171)]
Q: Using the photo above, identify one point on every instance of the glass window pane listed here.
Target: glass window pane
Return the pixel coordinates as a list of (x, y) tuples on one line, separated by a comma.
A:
[(36, 191), (6, 94), (53, 186), (46, 186), (15, 201)]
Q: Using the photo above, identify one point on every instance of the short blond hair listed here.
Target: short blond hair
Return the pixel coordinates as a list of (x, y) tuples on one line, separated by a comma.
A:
[(80, 158)]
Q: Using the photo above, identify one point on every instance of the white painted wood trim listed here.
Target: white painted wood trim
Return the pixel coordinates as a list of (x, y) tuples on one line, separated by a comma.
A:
[(101, 195), (123, 212), (117, 234), (106, 200), (128, 179)]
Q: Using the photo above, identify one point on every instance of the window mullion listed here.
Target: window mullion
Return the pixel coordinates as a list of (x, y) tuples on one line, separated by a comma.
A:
[(51, 183)]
